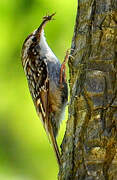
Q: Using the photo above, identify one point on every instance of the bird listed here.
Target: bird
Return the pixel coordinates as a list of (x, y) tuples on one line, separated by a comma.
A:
[(46, 81)]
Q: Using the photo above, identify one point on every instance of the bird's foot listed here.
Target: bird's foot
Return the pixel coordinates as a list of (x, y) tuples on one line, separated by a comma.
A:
[(63, 66)]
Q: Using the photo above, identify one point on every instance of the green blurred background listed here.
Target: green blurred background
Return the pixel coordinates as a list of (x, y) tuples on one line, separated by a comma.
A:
[(25, 153)]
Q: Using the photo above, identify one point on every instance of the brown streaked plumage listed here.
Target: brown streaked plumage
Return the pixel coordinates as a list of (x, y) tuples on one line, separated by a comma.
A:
[(46, 82)]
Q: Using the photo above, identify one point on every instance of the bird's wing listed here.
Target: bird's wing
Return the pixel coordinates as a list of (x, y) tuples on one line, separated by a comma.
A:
[(43, 105)]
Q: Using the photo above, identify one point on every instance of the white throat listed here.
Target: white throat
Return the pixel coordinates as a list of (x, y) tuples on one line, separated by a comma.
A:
[(45, 49)]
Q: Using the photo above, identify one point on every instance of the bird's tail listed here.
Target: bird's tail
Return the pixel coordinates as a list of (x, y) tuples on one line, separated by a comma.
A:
[(54, 144)]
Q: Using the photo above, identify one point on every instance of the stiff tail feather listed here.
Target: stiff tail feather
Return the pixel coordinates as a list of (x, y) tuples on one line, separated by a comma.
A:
[(55, 145)]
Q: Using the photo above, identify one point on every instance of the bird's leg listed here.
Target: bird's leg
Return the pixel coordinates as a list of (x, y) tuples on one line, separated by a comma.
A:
[(63, 67)]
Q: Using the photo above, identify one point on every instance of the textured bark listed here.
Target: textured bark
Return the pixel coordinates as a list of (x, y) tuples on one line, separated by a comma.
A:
[(89, 147)]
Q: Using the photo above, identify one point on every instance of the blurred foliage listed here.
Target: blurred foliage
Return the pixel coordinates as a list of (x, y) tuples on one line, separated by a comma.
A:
[(25, 152)]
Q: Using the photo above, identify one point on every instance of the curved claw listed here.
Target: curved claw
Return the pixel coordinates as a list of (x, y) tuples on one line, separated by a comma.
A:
[(71, 56)]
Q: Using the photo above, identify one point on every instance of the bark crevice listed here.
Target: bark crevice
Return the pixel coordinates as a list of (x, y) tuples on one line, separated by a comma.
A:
[(90, 142)]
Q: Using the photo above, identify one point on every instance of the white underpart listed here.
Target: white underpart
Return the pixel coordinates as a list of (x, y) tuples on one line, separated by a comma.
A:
[(45, 49)]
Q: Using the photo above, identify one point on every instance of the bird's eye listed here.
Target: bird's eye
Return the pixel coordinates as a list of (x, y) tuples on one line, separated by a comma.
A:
[(34, 39)]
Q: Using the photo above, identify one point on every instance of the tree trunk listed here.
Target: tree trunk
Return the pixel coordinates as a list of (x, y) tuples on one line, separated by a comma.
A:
[(90, 143)]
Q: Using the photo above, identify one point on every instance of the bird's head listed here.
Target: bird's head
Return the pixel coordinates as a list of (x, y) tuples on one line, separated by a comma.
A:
[(33, 39)]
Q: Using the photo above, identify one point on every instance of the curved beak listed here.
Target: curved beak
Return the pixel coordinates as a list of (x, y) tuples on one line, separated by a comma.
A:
[(45, 20)]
